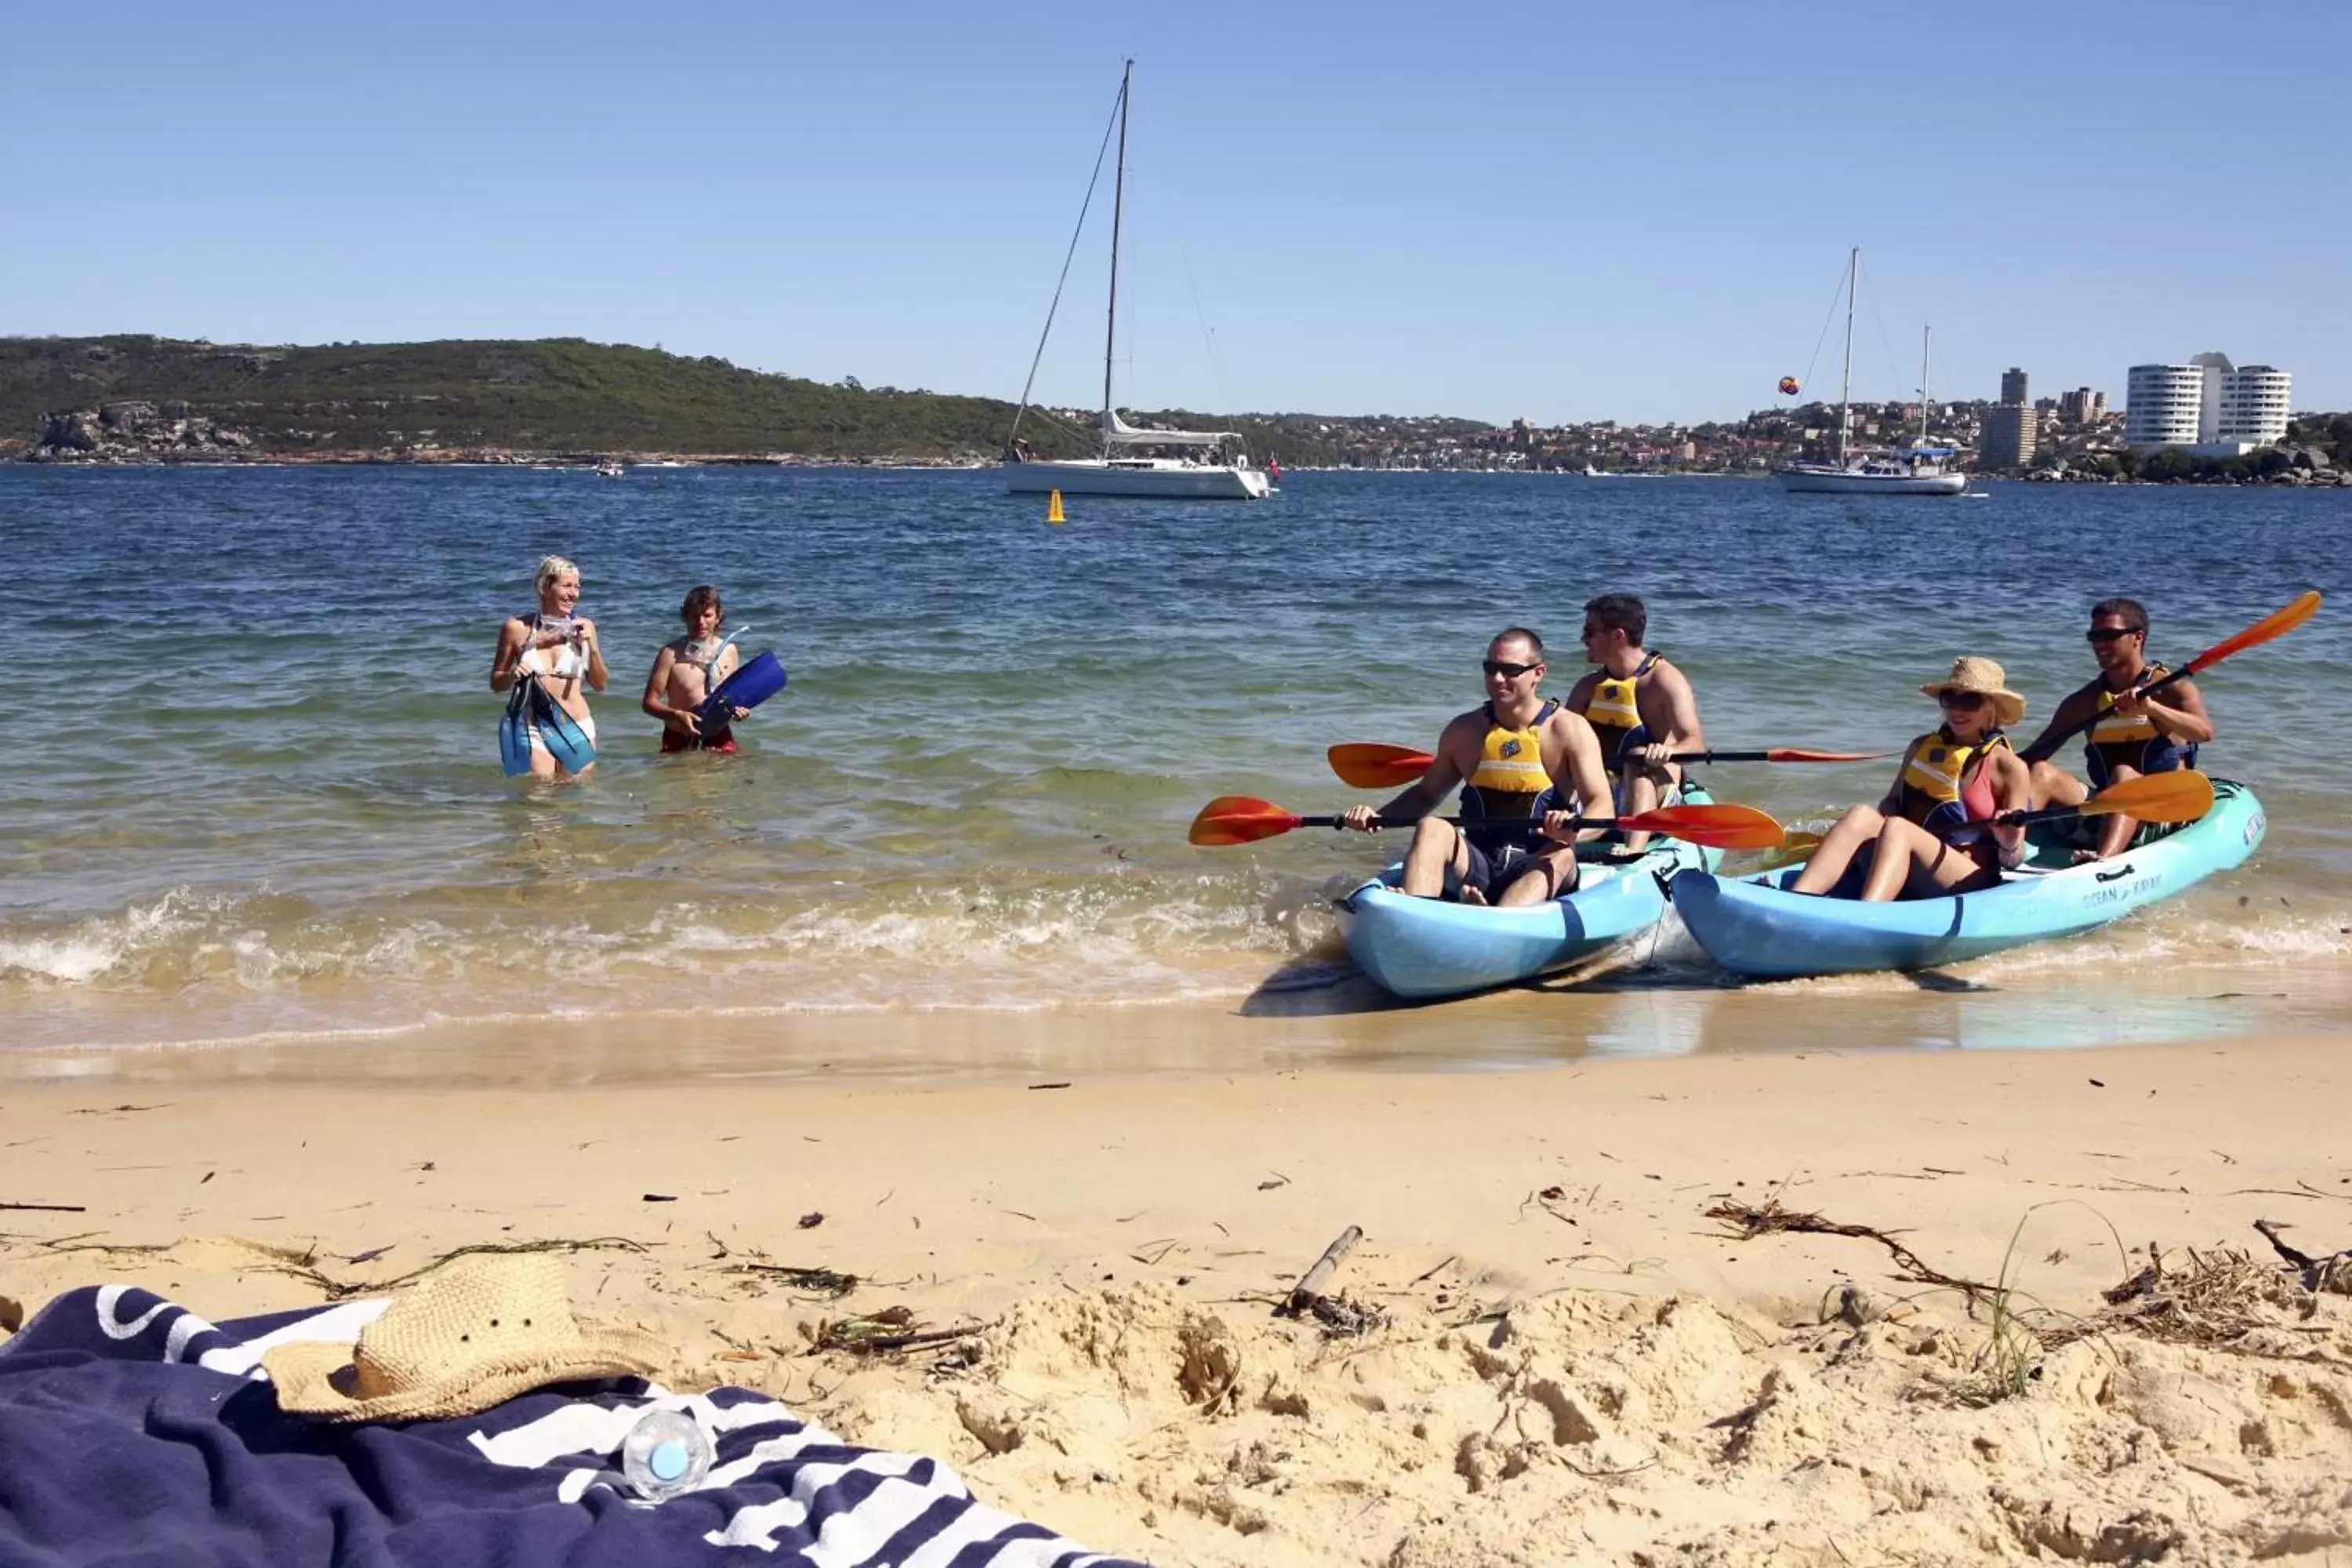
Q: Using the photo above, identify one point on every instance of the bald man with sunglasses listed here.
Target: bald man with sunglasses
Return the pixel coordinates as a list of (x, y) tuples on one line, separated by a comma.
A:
[(1525, 764), (2131, 735)]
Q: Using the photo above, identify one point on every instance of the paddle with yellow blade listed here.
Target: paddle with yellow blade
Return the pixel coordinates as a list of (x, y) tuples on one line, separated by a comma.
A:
[(1244, 819), (1368, 764), (2278, 623), (2181, 795)]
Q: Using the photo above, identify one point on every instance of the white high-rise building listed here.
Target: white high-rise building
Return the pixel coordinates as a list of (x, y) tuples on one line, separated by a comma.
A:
[(2208, 404), (2255, 401), (2161, 403)]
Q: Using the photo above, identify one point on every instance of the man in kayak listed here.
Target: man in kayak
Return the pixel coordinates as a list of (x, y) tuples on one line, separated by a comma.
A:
[(2129, 735), (1526, 763), (1640, 705)]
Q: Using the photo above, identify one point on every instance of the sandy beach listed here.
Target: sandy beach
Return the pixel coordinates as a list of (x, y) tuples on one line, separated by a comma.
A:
[(1576, 1363)]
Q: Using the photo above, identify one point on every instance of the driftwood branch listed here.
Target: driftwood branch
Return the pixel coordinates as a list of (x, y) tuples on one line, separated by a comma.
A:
[(44, 1208), (1309, 1288)]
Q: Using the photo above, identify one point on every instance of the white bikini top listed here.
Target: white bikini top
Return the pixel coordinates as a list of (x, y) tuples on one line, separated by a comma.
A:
[(567, 662)]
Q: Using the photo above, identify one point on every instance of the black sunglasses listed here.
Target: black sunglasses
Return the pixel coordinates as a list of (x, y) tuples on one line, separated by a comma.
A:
[(1509, 671), (1962, 699), (2111, 633)]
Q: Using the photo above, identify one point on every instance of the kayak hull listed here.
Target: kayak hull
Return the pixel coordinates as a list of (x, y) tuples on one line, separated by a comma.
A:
[(1754, 927), (1426, 948)]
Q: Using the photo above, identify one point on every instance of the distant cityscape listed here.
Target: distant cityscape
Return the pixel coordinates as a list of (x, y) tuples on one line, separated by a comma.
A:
[(2202, 411)]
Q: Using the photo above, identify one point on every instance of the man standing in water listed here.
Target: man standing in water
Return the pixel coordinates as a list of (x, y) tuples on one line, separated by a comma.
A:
[(1526, 765), (2130, 735), (687, 671), (1640, 705)]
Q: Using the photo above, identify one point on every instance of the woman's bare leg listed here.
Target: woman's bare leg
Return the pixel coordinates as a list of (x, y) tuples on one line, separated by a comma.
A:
[(1910, 859), (1858, 827)]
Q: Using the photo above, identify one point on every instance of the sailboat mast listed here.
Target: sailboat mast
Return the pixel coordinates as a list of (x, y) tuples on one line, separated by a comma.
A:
[(1118, 214), (1846, 380), (1926, 353)]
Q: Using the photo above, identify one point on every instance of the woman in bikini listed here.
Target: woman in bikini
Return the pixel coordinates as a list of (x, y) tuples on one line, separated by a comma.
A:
[(1917, 841), (558, 649)]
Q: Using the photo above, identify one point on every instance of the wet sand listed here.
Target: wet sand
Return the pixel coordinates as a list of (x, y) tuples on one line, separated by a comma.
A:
[(1579, 1363)]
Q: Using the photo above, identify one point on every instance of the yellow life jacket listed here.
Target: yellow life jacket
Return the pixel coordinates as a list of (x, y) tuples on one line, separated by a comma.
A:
[(1615, 715), (1932, 793), (2115, 739), (2110, 729), (1510, 783)]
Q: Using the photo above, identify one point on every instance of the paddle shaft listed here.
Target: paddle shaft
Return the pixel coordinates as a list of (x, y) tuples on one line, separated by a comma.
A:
[(1604, 822), (1779, 755)]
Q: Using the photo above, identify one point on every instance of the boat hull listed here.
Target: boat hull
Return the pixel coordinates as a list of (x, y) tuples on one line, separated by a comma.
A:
[(1426, 948), (1849, 482), (1753, 926), (1185, 481)]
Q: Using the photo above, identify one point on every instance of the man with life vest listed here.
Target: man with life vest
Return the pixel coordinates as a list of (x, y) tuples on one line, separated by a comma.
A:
[(1917, 840), (2130, 735), (1638, 703), (1527, 765)]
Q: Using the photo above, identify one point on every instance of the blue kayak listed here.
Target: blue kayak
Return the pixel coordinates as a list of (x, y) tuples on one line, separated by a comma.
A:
[(1753, 926), (1427, 947)]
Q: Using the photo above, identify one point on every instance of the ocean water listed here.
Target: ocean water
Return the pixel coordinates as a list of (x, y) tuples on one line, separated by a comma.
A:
[(250, 786)]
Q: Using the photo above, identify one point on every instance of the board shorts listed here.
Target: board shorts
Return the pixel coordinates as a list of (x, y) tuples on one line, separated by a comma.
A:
[(677, 741), (1492, 871)]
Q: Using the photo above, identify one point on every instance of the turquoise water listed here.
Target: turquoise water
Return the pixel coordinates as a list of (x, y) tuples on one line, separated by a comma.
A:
[(251, 786)]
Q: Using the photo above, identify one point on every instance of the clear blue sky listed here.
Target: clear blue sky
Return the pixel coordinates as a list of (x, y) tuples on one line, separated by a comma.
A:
[(1562, 211)]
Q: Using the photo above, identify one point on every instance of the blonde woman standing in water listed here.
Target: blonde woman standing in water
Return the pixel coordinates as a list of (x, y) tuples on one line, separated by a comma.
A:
[(554, 654)]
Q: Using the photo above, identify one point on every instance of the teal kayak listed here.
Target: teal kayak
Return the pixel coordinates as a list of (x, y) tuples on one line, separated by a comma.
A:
[(1753, 926), (1423, 948)]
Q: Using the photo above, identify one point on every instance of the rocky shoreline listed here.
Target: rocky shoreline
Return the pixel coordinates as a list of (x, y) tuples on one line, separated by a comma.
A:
[(135, 432)]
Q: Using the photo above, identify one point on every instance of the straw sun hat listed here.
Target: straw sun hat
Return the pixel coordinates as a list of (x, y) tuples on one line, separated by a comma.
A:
[(475, 1331), (1981, 675)]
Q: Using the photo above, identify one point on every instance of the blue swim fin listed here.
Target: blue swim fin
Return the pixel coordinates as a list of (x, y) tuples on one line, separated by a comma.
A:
[(514, 730), (560, 732), (747, 687)]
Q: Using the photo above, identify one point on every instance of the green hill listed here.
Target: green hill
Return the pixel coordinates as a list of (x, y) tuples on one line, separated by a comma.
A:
[(148, 397)]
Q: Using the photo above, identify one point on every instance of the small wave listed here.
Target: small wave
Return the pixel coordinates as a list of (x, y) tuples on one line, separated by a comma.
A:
[(93, 949)]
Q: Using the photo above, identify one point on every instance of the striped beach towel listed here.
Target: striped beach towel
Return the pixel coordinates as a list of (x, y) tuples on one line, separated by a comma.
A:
[(132, 1430)]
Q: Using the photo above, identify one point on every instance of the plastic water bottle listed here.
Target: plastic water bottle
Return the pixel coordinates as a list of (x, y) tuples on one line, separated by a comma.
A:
[(666, 1453)]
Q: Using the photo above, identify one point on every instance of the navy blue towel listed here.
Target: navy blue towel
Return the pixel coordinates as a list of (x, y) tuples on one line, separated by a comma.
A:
[(133, 1432)]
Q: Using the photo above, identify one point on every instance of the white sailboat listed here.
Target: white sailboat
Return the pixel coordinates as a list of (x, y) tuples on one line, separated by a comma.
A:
[(1209, 465), (1914, 470)]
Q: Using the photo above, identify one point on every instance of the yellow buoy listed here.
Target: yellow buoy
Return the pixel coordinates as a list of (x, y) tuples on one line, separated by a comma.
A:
[(1053, 508)]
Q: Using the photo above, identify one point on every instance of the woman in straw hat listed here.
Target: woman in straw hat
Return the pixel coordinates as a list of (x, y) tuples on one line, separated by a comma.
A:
[(1917, 842)]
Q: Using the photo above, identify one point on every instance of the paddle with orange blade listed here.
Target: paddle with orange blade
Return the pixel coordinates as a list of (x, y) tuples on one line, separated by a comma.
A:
[(2277, 624), (1368, 764), (1244, 819), (2181, 795)]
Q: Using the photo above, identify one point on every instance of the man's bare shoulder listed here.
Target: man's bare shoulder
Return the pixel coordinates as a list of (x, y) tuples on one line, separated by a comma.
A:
[(1567, 721), (1667, 671)]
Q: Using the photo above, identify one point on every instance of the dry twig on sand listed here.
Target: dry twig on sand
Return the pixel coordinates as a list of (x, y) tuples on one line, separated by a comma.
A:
[(823, 1284), (891, 1329), (2331, 1273), (1747, 1221)]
